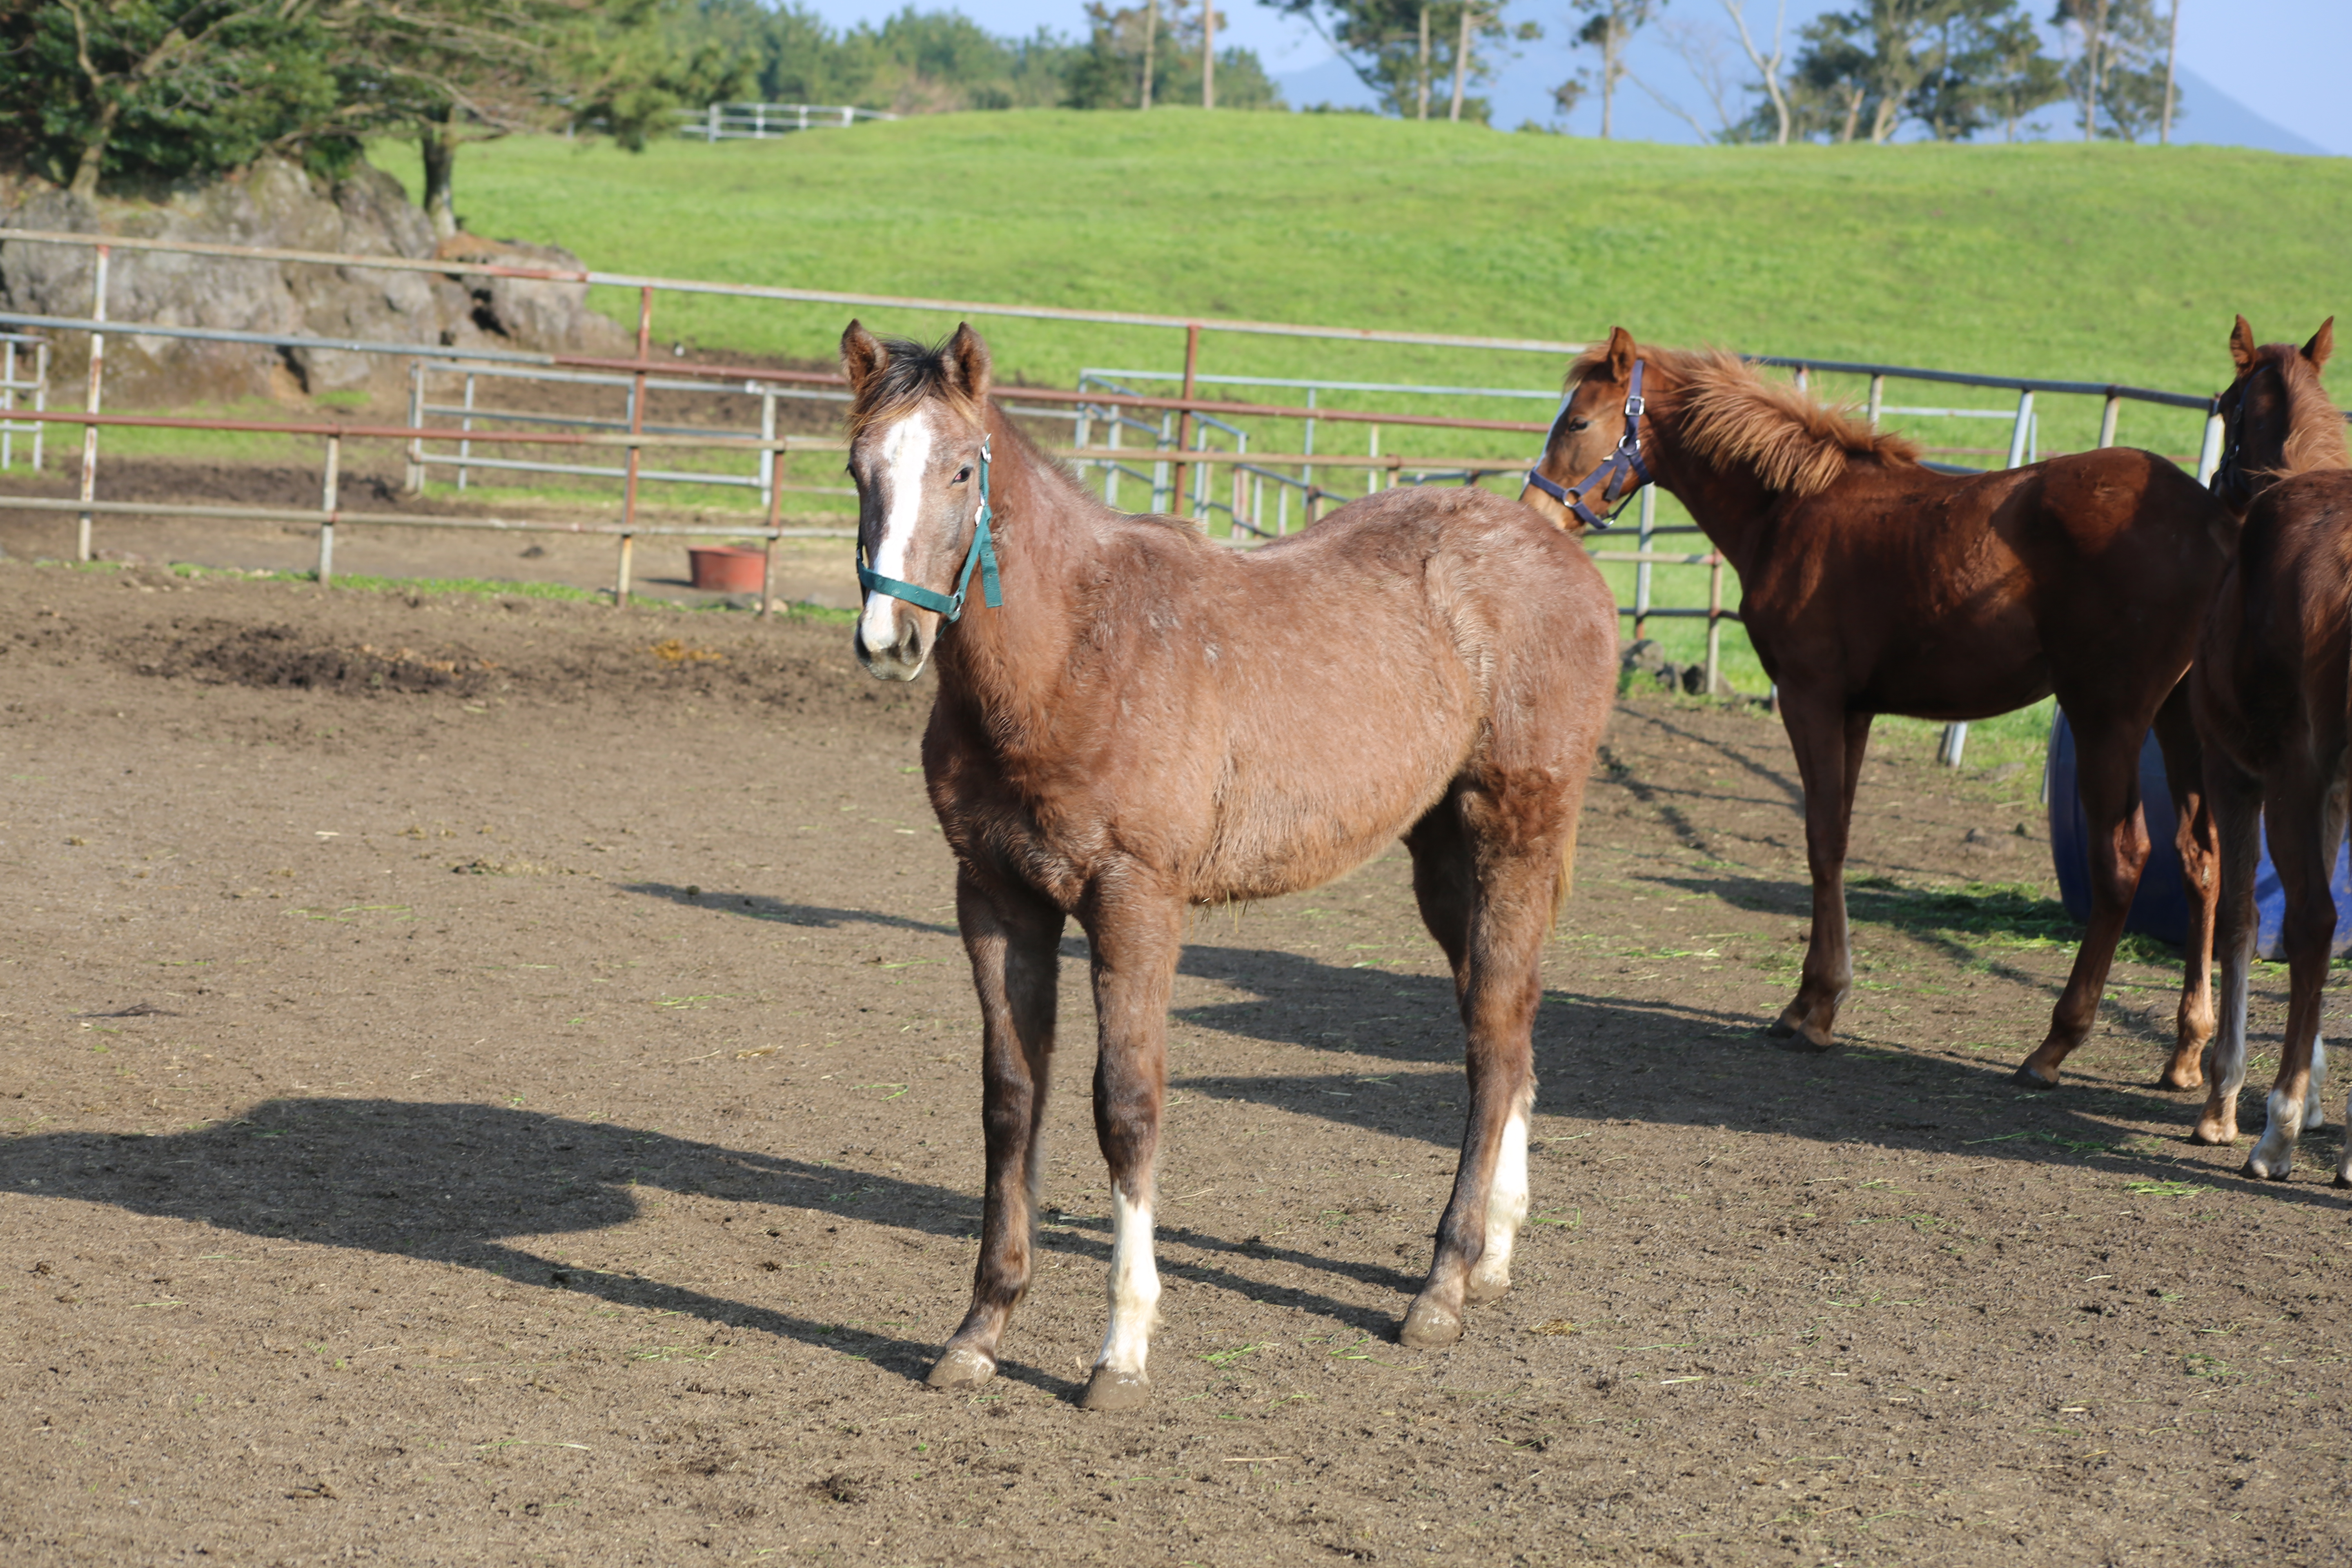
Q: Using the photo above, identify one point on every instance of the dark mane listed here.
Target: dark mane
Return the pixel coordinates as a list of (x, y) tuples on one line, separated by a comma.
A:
[(1731, 414), (2314, 431), (909, 373)]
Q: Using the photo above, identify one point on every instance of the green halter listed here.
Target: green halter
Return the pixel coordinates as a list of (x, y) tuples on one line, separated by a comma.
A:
[(981, 555)]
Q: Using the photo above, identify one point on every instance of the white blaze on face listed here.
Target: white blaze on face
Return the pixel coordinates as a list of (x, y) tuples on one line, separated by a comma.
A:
[(1507, 1204), (1134, 1287), (906, 453)]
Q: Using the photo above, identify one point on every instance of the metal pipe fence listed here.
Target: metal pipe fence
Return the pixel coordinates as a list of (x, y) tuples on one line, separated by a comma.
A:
[(14, 348), (1182, 433), (768, 121)]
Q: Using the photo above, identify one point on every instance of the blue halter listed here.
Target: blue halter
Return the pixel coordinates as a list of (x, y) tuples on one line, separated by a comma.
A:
[(1613, 470), (981, 555)]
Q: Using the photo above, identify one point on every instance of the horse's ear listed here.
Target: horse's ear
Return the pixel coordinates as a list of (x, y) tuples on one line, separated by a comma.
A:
[(2322, 345), (1621, 354), (967, 362), (861, 356), (2241, 345)]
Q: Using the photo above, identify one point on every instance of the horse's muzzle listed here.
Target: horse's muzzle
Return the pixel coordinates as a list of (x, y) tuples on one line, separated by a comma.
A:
[(903, 657)]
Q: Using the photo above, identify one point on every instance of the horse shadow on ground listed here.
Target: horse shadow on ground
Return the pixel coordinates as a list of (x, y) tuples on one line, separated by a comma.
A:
[(1611, 1057), (454, 1183)]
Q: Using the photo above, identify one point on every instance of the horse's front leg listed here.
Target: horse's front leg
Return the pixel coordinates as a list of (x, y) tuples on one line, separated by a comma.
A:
[(1013, 938), (2194, 837), (1136, 938), (2109, 775), (1830, 744), (2236, 801)]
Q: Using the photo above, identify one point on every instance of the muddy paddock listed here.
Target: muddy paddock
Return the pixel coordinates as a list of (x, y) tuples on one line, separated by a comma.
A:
[(494, 1081)]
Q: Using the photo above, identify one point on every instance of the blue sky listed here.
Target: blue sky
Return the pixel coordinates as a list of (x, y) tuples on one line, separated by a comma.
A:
[(2250, 69)]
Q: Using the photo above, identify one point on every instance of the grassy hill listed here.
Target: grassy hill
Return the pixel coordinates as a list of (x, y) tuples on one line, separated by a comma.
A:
[(2108, 263)]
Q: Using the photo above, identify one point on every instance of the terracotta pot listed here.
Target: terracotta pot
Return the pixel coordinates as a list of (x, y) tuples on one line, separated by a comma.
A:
[(726, 568)]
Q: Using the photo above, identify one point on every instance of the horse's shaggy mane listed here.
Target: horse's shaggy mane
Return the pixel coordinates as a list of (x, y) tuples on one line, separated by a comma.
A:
[(1727, 414), (2314, 426), (909, 373)]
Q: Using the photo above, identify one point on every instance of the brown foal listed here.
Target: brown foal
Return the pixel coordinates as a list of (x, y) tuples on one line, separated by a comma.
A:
[(2270, 693), (1871, 585), (1150, 720)]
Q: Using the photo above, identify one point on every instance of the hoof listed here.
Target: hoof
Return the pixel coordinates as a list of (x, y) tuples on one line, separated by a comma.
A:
[(1109, 1389), (2342, 1180), (1799, 1038), (961, 1368), (2026, 1077), (1482, 1290), (2213, 1136), (2256, 1168), (2177, 1082), (1429, 1327)]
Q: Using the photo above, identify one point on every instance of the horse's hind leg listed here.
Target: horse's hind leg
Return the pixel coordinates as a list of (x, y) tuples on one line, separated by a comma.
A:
[(2236, 800), (1013, 940), (2306, 824), (1135, 938), (1491, 920), (2193, 836), (2110, 786)]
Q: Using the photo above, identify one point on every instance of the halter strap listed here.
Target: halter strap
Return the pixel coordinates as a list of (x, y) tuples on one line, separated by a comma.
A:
[(1625, 460), (981, 555)]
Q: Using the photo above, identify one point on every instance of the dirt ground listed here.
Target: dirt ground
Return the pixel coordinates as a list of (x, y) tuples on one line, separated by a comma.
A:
[(493, 1081)]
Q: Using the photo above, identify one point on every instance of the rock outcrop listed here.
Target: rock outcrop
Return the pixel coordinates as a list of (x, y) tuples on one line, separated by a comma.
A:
[(278, 205)]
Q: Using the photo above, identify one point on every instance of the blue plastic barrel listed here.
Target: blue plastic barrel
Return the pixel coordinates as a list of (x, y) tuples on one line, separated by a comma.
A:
[(2160, 910)]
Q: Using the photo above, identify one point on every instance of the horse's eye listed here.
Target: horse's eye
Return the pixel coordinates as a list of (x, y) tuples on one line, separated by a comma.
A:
[(963, 474), (1578, 427)]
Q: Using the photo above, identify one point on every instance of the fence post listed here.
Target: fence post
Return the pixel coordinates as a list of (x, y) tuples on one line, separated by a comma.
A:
[(330, 492), (1877, 398), (2107, 420), (1713, 620), (40, 398), (90, 401), (1649, 515), (768, 555), (1372, 475), (1185, 419), (8, 405), (2021, 434), (1804, 379), (769, 456), (622, 572), (1110, 469), (2208, 456), (466, 448), (1305, 474), (413, 482)]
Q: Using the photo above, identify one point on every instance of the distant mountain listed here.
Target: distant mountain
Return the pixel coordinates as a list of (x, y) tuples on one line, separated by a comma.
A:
[(2212, 117)]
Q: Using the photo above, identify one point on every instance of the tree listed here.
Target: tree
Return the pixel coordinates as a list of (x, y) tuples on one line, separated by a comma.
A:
[(2120, 76), (1953, 66), (1608, 27), (1396, 47), (1109, 71), (1770, 66), (163, 89)]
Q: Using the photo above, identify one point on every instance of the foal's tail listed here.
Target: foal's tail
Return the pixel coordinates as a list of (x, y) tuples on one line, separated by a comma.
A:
[(1566, 880)]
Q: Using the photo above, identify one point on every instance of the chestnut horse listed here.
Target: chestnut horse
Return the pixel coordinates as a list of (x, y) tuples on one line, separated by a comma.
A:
[(2270, 693), (1133, 720), (1871, 585)]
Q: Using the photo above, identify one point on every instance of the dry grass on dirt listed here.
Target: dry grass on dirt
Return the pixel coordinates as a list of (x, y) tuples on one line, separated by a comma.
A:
[(481, 1086)]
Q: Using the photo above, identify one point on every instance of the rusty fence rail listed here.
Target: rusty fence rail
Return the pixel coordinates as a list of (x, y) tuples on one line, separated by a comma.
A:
[(1182, 448)]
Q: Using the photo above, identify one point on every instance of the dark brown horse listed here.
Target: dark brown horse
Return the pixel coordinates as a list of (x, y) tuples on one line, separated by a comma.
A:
[(2270, 693), (1871, 585), (1142, 720)]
